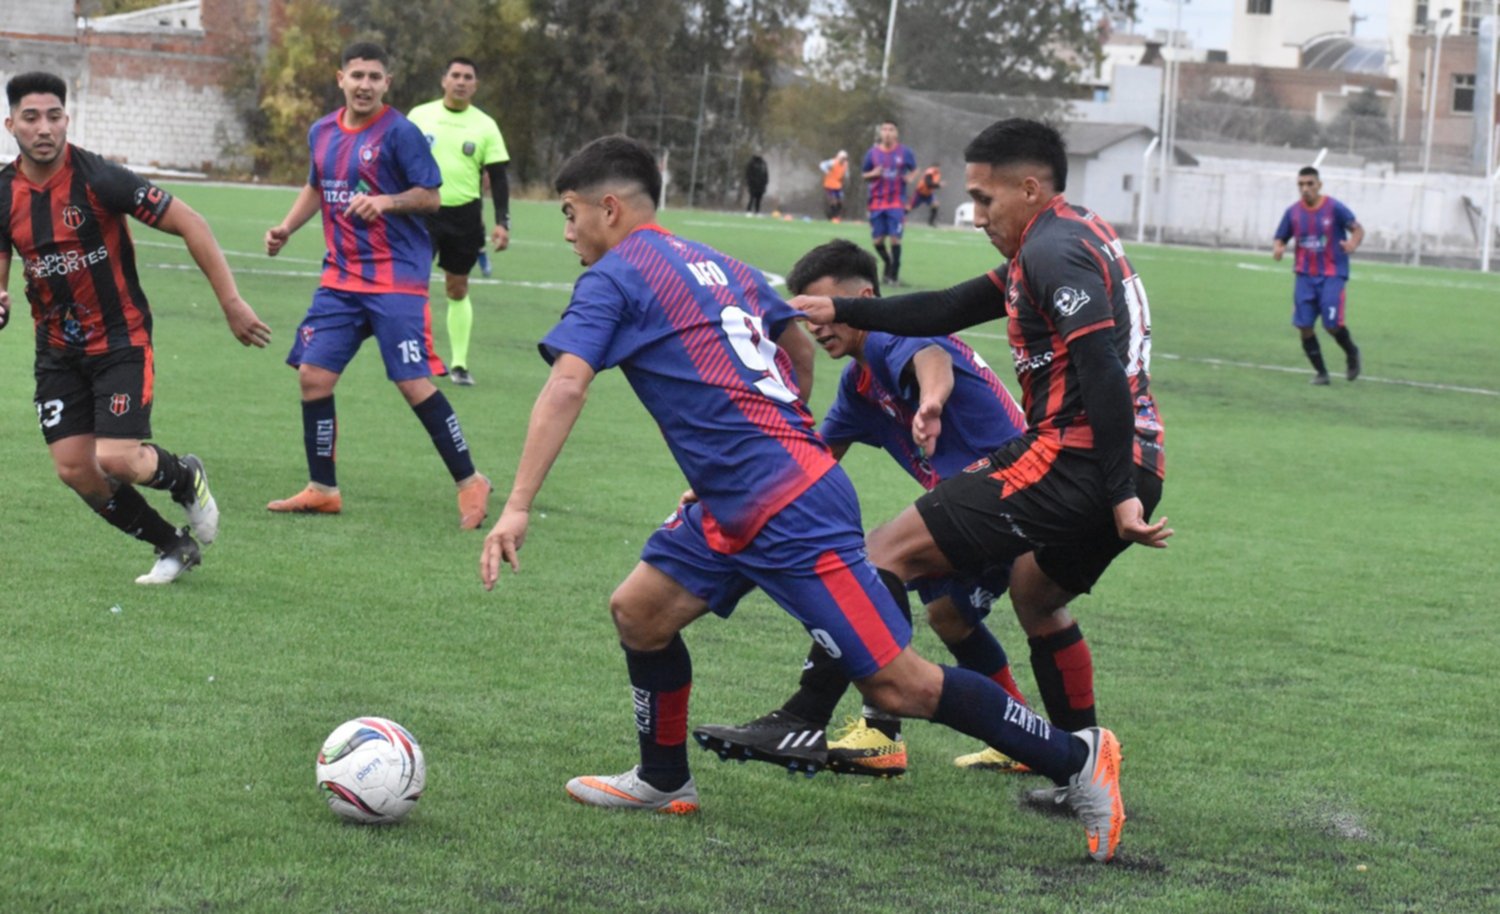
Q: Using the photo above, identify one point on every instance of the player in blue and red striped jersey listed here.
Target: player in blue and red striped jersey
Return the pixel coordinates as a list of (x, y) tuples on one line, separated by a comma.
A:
[(695, 333), (935, 407), (372, 177), (1326, 233), (63, 210), (885, 168)]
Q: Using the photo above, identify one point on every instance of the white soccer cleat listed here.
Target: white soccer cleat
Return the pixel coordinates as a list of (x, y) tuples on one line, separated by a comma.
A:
[(202, 510), (1094, 793), (174, 561), (628, 791)]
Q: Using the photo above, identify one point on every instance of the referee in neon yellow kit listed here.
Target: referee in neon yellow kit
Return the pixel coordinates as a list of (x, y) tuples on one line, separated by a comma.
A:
[(467, 145)]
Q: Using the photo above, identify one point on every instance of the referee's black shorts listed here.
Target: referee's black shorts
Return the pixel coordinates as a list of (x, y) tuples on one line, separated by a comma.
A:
[(457, 236), (1032, 495)]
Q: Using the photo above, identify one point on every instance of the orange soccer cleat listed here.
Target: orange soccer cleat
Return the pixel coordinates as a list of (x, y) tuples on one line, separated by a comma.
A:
[(474, 502), (310, 500)]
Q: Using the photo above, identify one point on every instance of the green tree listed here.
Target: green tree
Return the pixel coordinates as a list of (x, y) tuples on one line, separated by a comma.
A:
[(1001, 47), (296, 87)]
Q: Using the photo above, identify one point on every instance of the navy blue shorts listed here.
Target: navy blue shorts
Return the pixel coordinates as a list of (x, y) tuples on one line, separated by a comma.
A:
[(887, 223), (1318, 296), (810, 559), (338, 322), (972, 594)]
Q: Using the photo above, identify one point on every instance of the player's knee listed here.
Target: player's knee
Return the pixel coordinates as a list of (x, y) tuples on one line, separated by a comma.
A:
[(638, 626), (457, 287)]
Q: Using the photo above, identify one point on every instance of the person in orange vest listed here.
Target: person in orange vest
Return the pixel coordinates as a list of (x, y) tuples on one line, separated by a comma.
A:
[(835, 170), (925, 193)]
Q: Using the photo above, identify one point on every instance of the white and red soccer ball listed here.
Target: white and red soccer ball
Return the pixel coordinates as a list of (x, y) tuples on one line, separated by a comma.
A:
[(371, 770)]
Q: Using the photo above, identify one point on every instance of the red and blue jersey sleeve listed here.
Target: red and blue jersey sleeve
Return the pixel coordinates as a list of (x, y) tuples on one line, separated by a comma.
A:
[(589, 328), (853, 417)]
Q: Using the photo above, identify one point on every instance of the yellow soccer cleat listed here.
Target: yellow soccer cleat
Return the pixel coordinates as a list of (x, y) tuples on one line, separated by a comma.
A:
[(862, 749), (991, 759)]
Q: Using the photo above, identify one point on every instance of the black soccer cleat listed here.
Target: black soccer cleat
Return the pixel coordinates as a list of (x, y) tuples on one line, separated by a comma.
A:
[(1353, 365), (779, 738)]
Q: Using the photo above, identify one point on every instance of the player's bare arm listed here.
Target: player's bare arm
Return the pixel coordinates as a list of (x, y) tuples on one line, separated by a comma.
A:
[(934, 369), (552, 418), (412, 200), (800, 349), (1278, 249), (185, 222), (303, 208), (4, 287), (1355, 239)]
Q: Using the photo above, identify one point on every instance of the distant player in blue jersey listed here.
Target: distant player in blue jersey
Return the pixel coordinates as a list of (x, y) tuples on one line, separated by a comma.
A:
[(935, 407), (694, 332), (1326, 233), (372, 178), (885, 168)]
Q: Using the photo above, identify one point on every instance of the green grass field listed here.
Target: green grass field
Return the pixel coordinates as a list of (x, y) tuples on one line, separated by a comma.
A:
[(1304, 682)]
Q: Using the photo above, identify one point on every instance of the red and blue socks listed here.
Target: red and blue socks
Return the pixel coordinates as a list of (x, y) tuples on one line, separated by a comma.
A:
[(981, 652), (660, 683)]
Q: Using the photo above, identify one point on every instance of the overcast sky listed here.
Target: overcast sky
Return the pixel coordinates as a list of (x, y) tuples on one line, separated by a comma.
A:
[(1207, 22)]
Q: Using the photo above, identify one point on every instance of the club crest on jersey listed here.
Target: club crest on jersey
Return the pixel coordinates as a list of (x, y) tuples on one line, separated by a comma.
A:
[(368, 152), (72, 216), (119, 404), (1068, 300)]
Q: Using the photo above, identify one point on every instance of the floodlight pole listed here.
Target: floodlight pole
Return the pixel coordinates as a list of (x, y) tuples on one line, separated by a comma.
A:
[(698, 138), (1168, 122), (890, 34), (1444, 19), (1140, 222)]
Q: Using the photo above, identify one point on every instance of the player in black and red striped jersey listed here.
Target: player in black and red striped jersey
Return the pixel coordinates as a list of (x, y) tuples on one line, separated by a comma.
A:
[(63, 209), (1077, 488)]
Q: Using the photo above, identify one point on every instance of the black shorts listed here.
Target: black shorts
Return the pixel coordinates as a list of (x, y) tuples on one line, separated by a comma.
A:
[(107, 395), (1032, 496), (457, 236)]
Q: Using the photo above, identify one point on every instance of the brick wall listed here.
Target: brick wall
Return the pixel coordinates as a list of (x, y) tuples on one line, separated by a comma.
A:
[(149, 100)]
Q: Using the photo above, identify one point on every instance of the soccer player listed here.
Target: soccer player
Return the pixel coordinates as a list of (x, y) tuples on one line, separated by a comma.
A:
[(372, 177), (927, 185), (835, 172), (693, 331), (468, 146), (63, 211), (935, 407), (1326, 233), (1077, 488), (885, 168)]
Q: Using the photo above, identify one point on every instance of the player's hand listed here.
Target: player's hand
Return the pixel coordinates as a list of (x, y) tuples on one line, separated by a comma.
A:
[(926, 426), (276, 239), (503, 544), (1131, 524), (1277, 250), (817, 309), (367, 207), (246, 326), (4, 308), (1348, 245), (686, 498), (500, 238)]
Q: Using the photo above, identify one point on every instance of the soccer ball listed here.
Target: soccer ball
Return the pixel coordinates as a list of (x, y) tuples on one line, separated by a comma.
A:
[(371, 770)]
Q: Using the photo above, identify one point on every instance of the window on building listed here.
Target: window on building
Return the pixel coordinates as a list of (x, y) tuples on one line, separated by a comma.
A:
[(1463, 93), (1128, 183), (1420, 16), (1469, 14), (1258, 7)]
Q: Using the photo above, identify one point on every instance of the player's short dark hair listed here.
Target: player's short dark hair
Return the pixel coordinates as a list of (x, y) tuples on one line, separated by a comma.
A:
[(461, 60), (891, 121), (840, 260), (364, 50), (37, 82), (1308, 171), (1017, 139), (609, 159)]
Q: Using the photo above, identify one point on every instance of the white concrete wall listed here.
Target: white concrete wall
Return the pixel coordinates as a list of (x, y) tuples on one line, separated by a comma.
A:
[(1240, 205), (1275, 40), (1099, 183)]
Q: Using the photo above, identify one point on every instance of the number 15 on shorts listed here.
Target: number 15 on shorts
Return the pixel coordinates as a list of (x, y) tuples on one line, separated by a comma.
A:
[(411, 351)]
